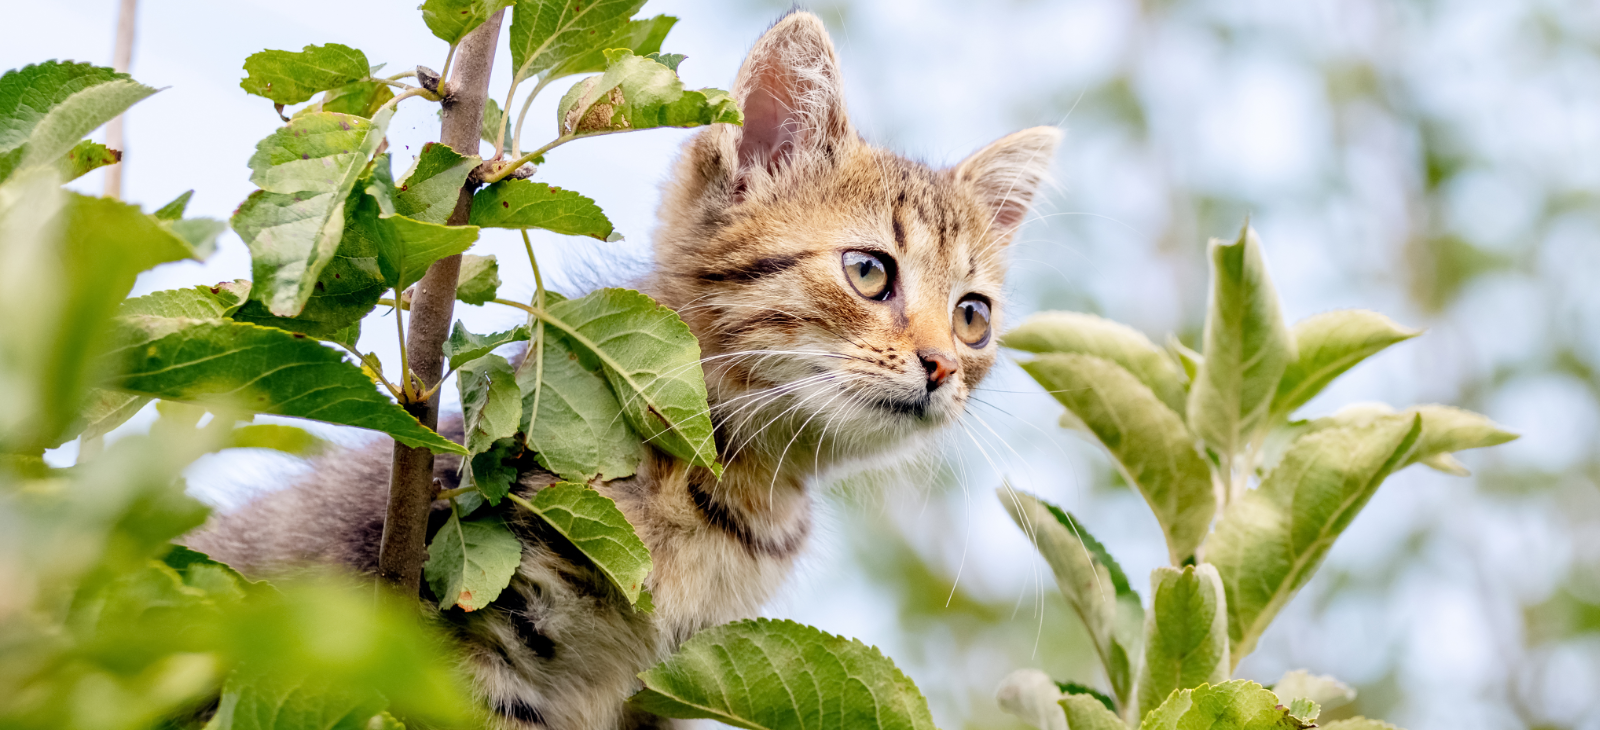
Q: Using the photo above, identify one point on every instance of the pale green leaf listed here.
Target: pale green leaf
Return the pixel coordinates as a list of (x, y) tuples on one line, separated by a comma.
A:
[(384, 721), (594, 525), (28, 94), (1357, 723), (1074, 688), (1146, 439), (639, 92), (1445, 429), (471, 561), (1087, 334), (452, 20), (765, 674), (198, 302), (1247, 348), (200, 234), (1187, 358), (523, 204), (1327, 692), (479, 280), (1086, 713), (546, 34), (290, 77), (85, 157), (652, 362), (293, 226), (464, 346), (256, 369), (108, 409), (257, 702), (1032, 696), (1271, 539), (428, 192), (1186, 633), (493, 117), (1305, 711), (572, 420), (491, 404), (1086, 580), (1327, 345), (288, 439), (1236, 705)]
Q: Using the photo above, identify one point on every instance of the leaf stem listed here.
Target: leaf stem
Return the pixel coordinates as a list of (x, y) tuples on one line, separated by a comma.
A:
[(510, 167), (401, 75), (538, 333), (400, 332), (444, 74), (408, 93), (362, 359), (500, 129), (396, 84), (522, 502), (451, 494), (516, 137)]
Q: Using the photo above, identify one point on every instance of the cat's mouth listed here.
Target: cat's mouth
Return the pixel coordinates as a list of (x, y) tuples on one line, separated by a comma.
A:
[(911, 407)]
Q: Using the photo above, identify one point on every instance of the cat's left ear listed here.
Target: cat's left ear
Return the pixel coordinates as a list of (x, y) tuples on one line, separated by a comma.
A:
[(1007, 174)]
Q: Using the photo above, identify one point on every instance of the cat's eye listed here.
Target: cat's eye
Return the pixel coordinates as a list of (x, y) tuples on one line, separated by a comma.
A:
[(871, 274), (971, 321)]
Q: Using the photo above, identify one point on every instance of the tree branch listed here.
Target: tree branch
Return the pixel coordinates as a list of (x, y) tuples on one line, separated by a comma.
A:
[(121, 58), (411, 488)]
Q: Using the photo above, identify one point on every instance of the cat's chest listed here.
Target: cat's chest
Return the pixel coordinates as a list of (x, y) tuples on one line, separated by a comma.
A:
[(707, 569)]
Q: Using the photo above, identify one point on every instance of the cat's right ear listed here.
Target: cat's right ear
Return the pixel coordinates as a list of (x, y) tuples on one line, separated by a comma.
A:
[(792, 96)]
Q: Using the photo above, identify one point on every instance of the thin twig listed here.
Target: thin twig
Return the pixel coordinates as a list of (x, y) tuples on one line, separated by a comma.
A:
[(121, 60)]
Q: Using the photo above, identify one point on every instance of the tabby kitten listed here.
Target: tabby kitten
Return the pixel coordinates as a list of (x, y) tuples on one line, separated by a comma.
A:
[(846, 300)]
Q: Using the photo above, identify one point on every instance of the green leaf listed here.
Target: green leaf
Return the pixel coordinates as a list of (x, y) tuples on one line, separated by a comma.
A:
[(174, 210), (1236, 705), (254, 702), (638, 92), (200, 302), (762, 673), (451, 20), (200, 234), (47, 108), (491, 404), (1031, 696), (1146, 439), (1086, 580), (1073, 688), (471, 561), (1186, 633), (464, 346), (294, 225), (1271, 539), (652, 362), (549, 33), (406, 248), (523, 204), (1247, 348), (479, 280), (1328, 344), (1086, 334), (290, 77), (1187, 358), (493, 471), (594, 525), (103, 244), (108, 409), (87, 156), (573, 420), (643, 37), (362, 98), (428, 192), (257, 369), (492, 119), (288, 439), (1087, 713), (1327, 692)]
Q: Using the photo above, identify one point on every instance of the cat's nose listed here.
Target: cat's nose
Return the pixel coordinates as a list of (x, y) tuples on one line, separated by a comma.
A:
[(940, 367)]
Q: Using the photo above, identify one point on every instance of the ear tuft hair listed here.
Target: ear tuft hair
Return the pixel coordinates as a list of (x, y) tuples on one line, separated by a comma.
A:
[(792, 96), (1008, 173)]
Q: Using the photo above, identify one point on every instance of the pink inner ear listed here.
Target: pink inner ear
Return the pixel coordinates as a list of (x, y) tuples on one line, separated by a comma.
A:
[(1010, 210), (770, 127)]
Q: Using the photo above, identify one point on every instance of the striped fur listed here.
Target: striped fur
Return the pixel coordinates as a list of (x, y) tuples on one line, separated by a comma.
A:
[(806, 377)]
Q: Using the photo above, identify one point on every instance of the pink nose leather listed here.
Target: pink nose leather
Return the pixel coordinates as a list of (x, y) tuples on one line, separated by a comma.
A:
[(939, 365)]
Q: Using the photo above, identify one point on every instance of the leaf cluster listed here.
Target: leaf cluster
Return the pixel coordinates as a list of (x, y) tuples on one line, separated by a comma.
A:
[(1249, 499)]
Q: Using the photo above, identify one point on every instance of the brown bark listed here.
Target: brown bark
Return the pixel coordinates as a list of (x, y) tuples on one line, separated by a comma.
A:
[(411, 487)]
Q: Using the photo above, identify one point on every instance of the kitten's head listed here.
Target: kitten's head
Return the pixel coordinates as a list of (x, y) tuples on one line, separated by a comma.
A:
[(845, 298)]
